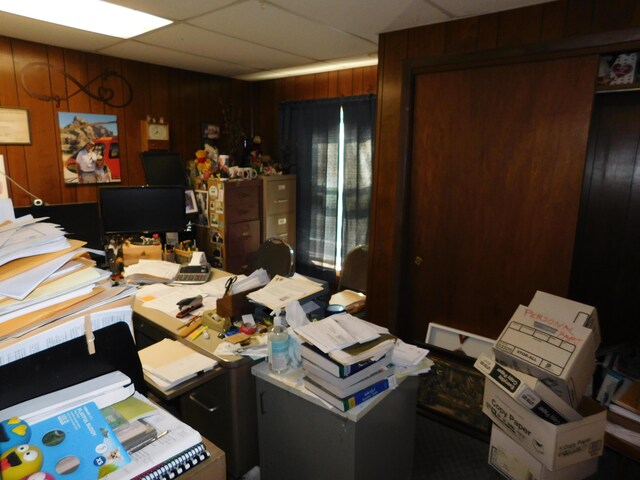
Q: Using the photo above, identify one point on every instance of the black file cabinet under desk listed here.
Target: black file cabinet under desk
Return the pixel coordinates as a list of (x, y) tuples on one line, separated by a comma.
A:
[(222, 408), (302, 438)]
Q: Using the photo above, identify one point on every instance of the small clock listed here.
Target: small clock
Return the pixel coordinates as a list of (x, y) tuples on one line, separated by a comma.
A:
[(154, 136)]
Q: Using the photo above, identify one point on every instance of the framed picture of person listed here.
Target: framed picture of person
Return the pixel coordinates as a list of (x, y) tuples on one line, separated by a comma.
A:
[(202, 199), (90, 148)]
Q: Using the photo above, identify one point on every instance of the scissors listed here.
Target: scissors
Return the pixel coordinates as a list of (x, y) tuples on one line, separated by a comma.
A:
[(228, 283)]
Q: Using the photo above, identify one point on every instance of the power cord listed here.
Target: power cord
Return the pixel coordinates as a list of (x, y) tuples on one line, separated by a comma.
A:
[(36, 201)]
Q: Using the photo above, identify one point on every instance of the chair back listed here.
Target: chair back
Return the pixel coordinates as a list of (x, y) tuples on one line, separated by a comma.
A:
[(354, 269), (276, 257)]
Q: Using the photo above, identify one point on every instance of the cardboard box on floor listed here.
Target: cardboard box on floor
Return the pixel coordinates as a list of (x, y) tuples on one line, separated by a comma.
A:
[(555, 446), (529, 391), (515, 463), (555, 340)]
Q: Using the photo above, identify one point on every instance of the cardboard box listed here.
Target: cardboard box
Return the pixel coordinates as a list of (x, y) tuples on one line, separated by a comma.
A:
[(544, 343), (515, 463), (134, 253), (530, 392), (555, 446)]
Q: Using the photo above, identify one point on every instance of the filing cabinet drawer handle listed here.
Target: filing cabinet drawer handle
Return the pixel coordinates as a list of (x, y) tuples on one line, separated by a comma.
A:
[(245, 235), (281, 201), (208, 408)]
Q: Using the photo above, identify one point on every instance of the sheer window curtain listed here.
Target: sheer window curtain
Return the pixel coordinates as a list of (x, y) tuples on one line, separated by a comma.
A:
[(310, 142)]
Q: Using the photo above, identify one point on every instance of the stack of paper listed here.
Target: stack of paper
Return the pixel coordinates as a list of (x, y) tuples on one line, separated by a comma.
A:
[(169, 363), (282, 290), (47, 280), (151, 271)]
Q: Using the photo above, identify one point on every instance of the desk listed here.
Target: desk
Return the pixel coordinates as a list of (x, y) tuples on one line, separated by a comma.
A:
[(213, 468), (219, 404), (300, 437)]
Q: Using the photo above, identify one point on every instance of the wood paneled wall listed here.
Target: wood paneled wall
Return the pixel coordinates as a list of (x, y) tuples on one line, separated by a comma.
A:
[(268, 95), (185, 99), (538, 24)]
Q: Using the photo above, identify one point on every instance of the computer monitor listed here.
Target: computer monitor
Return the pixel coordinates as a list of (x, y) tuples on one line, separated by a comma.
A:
[(163, 168), (138, 210), (80, 220)]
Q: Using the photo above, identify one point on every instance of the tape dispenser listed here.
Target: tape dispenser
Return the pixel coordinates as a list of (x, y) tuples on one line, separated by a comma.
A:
[(215, 321)]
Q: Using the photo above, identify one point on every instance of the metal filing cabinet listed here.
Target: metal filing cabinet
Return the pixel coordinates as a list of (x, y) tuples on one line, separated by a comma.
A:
[(279, 208)]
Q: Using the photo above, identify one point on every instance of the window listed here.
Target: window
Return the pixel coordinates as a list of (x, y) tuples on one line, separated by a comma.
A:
[(329, 145)]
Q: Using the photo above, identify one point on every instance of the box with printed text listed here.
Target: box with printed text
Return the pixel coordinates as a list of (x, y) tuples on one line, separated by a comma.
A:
[(515, 463), (555, 340), (555, 446)]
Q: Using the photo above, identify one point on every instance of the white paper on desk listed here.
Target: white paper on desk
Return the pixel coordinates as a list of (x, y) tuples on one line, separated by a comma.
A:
[(165, 298), (153, 268), (21, 285), (257, 279), (31, 237), (326, 334), (215, 288), (359, 329), (405, 354), (55, 246), (74, 281), (173, 362), (282, 290)]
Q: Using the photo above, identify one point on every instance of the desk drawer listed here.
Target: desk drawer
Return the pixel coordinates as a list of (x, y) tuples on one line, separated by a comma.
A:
[(280, 196), (281, 225), (242, 204)]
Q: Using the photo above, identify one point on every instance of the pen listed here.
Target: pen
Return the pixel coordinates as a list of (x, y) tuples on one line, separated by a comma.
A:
[(147, 442)]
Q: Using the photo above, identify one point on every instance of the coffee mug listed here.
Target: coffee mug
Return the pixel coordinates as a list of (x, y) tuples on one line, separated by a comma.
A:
[(236, 172), (249, 173)]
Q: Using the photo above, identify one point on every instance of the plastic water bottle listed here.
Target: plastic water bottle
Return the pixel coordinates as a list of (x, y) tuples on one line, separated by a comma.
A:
[(278, 346)]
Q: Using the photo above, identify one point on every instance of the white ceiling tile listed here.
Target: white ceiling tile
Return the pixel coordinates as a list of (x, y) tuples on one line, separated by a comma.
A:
[(365, 18), (417, 12), (135, 50), (196, 41), (274, 27)]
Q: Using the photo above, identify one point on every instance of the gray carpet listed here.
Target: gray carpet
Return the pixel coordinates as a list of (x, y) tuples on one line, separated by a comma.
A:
[(444, 453)]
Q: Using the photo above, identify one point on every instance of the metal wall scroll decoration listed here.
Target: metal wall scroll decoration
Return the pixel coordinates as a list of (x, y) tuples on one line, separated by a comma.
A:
[(103, 93)]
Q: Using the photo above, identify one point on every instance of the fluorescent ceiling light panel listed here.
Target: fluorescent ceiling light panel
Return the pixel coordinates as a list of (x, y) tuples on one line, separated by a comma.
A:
[(91, 15)]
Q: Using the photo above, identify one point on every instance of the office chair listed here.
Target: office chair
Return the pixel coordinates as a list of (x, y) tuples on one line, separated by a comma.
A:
[(276, 257), (354, 269)]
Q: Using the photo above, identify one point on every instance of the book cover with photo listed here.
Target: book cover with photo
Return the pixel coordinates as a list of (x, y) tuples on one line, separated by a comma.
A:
[(77, 444)]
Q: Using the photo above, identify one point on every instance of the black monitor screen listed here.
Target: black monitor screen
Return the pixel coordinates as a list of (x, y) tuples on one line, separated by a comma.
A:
[(80, 220), (163, 168), (142, 209)]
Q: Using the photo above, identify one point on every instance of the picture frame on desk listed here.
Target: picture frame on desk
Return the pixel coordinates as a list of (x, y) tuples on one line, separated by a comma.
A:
[(451, 392), (190, 201)]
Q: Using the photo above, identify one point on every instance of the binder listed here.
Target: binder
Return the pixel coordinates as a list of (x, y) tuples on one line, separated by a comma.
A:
[(177, 465), (70, 363)]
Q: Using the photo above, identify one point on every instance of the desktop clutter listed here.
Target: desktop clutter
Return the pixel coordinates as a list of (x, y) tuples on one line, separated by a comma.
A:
[(84, 415), (341, 359)]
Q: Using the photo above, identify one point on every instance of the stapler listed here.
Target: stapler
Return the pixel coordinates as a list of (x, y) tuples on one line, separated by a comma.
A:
[(215, 321), (188, 305)]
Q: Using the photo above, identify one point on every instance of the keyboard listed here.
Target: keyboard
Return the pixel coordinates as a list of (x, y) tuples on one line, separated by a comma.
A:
[(193, 274)]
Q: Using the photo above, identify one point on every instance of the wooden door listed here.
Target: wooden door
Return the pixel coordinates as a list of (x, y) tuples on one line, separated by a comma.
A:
[(495, 171), (607, 256)]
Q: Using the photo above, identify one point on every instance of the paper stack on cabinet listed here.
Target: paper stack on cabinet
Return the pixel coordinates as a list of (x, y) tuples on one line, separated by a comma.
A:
[(169, 363)]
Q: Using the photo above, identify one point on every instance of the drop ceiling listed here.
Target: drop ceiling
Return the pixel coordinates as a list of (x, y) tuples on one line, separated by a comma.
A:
[(253, 39)]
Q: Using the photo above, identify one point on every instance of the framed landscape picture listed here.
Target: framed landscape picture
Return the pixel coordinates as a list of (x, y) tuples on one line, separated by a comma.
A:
[(452, 392)]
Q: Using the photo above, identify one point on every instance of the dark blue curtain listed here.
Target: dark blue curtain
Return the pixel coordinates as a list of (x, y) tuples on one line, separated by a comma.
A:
[(309, 139)]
